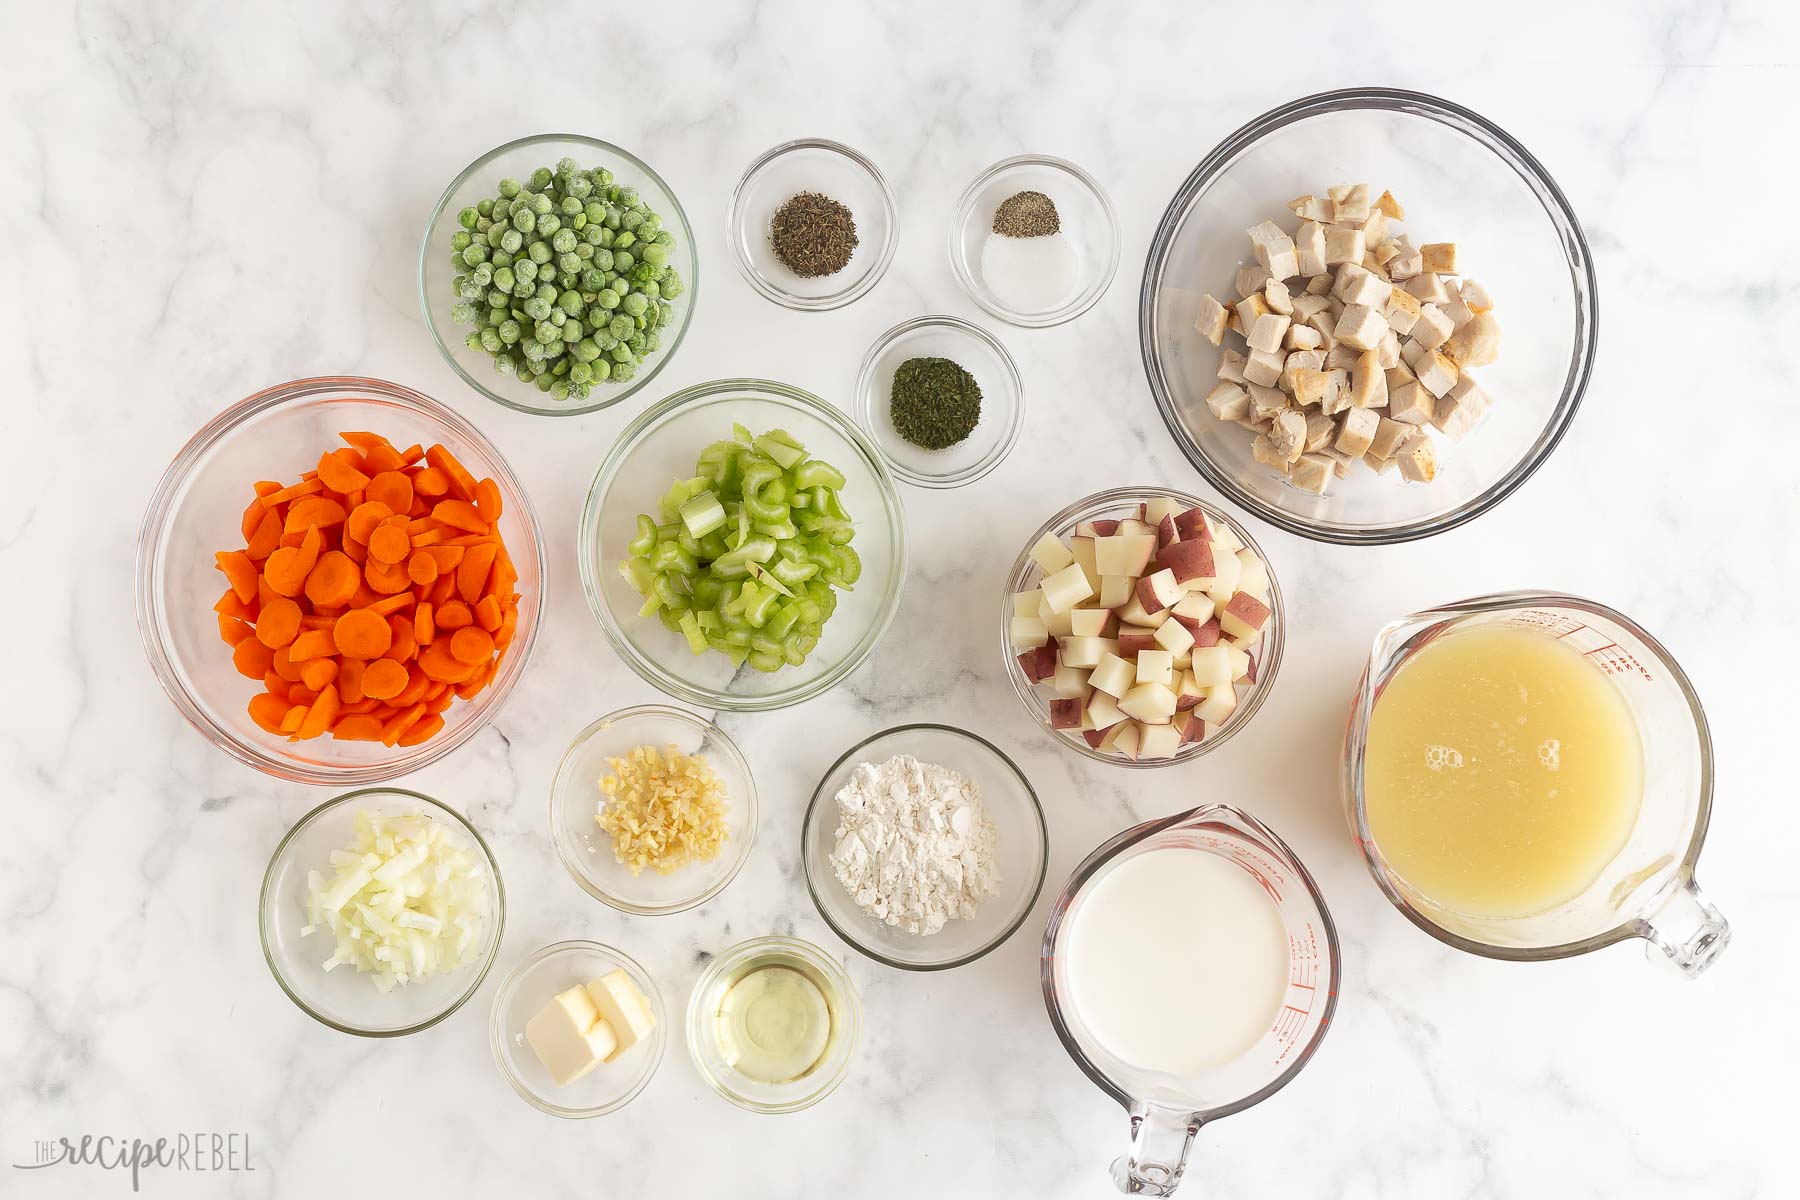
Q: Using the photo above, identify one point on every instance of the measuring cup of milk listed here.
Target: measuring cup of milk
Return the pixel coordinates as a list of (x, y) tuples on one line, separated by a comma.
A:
[(1190, 968), (1529, 776)]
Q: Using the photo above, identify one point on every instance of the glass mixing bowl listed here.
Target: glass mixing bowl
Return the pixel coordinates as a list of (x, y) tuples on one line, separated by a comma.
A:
[(1021, 850), (662, 445), (1124, 502), (480, 181), (343, 998), (587, 850), (1460, 178), (277, 434)]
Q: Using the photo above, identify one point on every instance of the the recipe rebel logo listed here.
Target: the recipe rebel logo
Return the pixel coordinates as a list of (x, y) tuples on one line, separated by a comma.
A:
[(189, 1153)]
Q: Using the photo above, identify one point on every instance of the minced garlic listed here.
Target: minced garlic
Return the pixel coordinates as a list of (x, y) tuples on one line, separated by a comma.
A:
[(664, 809)]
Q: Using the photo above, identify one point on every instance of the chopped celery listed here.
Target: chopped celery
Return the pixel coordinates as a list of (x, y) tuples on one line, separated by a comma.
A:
[(745, 557)]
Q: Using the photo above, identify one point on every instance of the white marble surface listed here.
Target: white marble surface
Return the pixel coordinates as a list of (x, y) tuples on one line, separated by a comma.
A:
[(209, 198)]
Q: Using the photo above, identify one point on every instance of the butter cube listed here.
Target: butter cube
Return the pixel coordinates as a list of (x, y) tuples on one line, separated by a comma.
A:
[(622, 1007), (569, 1037)]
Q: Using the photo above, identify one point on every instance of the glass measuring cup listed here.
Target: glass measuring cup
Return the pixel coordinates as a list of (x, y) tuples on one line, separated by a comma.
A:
[(1166, 1110), (1647, 890)]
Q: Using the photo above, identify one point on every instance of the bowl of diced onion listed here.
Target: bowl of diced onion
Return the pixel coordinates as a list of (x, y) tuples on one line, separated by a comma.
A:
[(381, 912), (677, 822)]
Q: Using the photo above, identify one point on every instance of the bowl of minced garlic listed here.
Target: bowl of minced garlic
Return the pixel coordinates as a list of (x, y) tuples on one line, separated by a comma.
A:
[(653, 810)]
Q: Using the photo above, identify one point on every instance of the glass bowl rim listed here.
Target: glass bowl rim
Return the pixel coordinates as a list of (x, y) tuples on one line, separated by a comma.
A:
[(322, 810), (566, 852), (661, 357), (814, 954), (815, 807), (735, 215), (1274, 640), (542, 954), (1087, 297), (587, 544), (1576, 253), (866, 416), (162, 507)]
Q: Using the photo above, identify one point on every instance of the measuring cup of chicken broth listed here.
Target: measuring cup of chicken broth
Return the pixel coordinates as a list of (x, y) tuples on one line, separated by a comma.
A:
[(1190, 968), (1530, 776)]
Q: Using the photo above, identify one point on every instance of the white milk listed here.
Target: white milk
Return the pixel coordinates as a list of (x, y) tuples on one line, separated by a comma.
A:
[(1177, 960)]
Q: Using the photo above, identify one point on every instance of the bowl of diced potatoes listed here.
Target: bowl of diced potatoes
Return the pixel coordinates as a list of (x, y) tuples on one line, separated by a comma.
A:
[(1142, 626)]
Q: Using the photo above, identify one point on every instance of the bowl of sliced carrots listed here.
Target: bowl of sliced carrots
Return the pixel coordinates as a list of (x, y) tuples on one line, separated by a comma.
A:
[(339, 580)]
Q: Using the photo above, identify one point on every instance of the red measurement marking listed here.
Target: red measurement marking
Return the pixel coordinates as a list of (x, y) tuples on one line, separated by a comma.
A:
[(1602, 649), (1565, 633)]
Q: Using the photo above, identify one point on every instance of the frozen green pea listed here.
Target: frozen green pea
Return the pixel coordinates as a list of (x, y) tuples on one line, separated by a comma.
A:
[(547, 332), (562, 240), (548, 224), (524, 220), (628, 196), (539, 178), (510, 331), (541, 204), (473, 341), (635, 304), (608, 298), (621, 353), (509, 188), (569, 206), (633, 219), (622, 326), (459, 241), (538, 252), (571, 303), (579, 186), (580, 372), (490, 340), (625, 241), (467, 218), (483, 224), (623, 261), (462, 313), (482, 274), (511, 240), (572, 332), (484, 208), (503, 363), (500, 258), (584, 253), (566, 265), (656, 255), (652, 289), (623, 372)]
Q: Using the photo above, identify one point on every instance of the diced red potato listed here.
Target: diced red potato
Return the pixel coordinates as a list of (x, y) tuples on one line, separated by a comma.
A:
[(1039, 663), (1141, 627)]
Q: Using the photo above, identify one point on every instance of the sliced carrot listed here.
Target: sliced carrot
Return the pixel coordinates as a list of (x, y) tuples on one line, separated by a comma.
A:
[(362, 708), (460, 514), (431, 482), (388, 605), (417, 684), (428, 537), (453, 615), (285, 666), (384, 679), (423, 731), (278, 623), (357, 552), (322, 511), (360, 633), (276, 686), (267, 537), (462, 484), (319, 672), (385, 579), (424, 626), (488, 501), (299, 693), (412, 454), (443, 591), (441, 666), (472, 644), (403, 646), (447, 556), (232, 630), (265, 487), (267, 711), (319, 618), (349, 680), (251, 658), (340, 476), (230, 605), (307, 487), (323, 712), (509, 625), (314, 643), (253, 515), (422, 568), (392, 488), (357, 728), (472, 575), (487, 614), (240, 572), (445, 698), (397, 725), (333, 580), (364, 440), (383, 458), (365, 517), (389, 544), (473, 688), (290, 723)]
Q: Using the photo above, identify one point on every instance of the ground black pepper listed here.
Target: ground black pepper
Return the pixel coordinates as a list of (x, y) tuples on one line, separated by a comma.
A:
[(935, 403), (1027, 214), (813, 235)]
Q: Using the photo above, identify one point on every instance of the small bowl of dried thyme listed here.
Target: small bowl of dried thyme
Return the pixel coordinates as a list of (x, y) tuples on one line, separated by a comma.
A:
[(813, 224), (941, 399)]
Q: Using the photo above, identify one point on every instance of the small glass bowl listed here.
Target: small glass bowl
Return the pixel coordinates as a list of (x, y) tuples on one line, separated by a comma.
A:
[(344, 998), (1123, 502), (1021, 838), (837, 171), (1088, 221), (1459, 177), (978, 353), (774, 1098), (480, 181), (663, 444), (531, 985), (277, 434), (586, 849)]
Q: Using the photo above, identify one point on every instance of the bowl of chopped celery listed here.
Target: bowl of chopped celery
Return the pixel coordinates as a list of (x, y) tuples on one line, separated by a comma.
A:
[(381, 912), (558, 274), (653, 810), (742, 546)]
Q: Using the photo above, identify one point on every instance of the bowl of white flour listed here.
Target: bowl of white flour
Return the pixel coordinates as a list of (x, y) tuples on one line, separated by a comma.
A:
[(924, 847)]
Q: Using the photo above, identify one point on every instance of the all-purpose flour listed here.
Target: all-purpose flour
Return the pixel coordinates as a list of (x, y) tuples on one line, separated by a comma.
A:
[(915, 847)]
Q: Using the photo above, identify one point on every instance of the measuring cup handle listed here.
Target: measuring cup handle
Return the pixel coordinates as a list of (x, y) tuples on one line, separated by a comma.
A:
[(1160, 1138), (1687, 929)]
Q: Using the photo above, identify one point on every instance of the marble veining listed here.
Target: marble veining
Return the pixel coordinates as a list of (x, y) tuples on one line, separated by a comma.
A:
[(207, 198)]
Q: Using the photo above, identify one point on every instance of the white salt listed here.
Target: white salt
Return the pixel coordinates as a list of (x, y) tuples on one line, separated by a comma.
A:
[(1030, 274)]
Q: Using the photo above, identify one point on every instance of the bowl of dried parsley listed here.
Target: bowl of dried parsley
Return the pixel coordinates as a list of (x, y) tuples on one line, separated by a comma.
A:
[(941, 399), (814, 224)]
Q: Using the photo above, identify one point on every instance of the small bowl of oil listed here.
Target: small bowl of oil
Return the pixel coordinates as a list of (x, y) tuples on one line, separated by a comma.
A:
[(773, 1024)]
